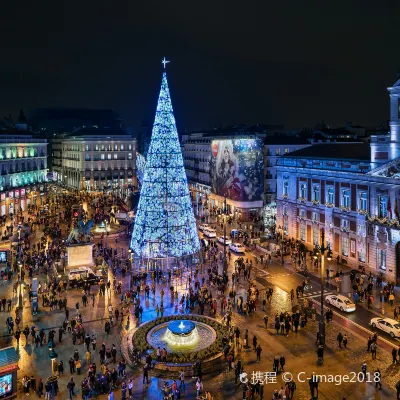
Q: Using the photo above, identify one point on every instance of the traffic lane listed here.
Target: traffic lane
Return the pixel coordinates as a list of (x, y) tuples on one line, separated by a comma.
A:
[(358, 319), (384, 340)]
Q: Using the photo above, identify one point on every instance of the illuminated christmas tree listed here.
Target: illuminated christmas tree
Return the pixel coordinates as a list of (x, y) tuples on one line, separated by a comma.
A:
[(164, 224)]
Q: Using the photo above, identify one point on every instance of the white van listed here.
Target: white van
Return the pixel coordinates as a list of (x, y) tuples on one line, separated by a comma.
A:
[(209, 232)]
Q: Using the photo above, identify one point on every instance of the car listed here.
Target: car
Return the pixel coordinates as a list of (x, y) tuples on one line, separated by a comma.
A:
[(341, 302), (237, 247), (224, 240), (388, 325), (202, 226), (209, 232), (77, 277)]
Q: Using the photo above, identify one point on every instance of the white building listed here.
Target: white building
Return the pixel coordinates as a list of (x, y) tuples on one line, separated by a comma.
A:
[(96, 159)]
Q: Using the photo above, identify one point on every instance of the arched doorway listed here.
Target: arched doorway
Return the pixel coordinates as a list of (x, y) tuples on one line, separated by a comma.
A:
[(398, 264)]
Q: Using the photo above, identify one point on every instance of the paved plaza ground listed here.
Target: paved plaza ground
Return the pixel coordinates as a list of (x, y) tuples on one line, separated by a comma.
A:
[(298, 349)]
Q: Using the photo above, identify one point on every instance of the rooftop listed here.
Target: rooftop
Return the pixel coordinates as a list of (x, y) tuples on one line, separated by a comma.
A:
[(334, 151), (95, 130), (285, 139)]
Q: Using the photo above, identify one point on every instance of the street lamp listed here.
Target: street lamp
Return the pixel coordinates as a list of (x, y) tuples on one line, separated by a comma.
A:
[(319, 251)]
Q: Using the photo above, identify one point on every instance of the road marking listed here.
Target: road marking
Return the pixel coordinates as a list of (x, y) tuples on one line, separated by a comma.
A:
[(371, 333)]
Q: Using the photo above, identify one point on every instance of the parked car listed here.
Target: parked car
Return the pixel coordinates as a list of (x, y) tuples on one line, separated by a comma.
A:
[(237, 247), (202, 226), (209, 232), (224, 240), (388, 325), (341, 302), (77, 277)]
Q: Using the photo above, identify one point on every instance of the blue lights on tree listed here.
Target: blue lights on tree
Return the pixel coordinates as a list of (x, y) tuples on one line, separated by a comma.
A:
[(164, 223)]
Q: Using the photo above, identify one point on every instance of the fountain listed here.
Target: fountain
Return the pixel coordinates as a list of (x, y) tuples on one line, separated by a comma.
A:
[(181, 335), (181, 332)]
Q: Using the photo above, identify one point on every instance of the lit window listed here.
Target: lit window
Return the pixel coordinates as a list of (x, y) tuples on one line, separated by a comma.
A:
[(122, 147), (129, 147), (115, 147), (108, 156), (277, 151), (345, 246), (303, 190), (129, 156), (103, 147), (315, 235), (381, 259), (286, 150), (285, 188), (303, 232), (102, 156), (115, 156), (330, 195), (87, 147), (346, 198), (87, 157), (345, 224), (383, 200), (363, 201), (316, 193), (109, 147), (96, 147)]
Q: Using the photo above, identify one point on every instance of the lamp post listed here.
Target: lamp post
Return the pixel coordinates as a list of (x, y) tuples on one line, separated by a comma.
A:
[(225, 263), (319, 250)]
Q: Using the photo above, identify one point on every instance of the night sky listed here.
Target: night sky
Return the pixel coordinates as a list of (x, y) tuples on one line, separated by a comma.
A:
[(276, 62)]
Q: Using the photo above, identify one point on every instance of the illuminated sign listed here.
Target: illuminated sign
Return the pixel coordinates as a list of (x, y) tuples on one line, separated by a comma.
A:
[(3, 197), (23, 192), (237, 169), (17, 194)]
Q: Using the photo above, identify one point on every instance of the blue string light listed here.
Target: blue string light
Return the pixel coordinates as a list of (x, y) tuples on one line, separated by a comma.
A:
[(164, 223)]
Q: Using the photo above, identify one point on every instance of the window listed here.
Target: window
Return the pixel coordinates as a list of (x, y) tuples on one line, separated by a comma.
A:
[(345, 224), (382, 211), (96, 147), (277, 151), (102, 156), (381, 259), (303, 232), (103, 147), (109, 156), (285, 188), (330, 195), (345, 246), (286, 150), (303, 190), (129, 147), (115, 156), (122, 147), (285, 225), (316, 193), (363, 201), (315, 216), (129, 156), (303, 213), (115, 147), (87, 157), (87, 147), (346, 198), (315, 235)]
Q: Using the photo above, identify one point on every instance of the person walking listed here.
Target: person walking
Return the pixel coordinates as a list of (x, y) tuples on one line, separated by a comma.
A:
[(70, 387), (339, 339), (345, 340), (258, 352), (394, 355), (374, 347)]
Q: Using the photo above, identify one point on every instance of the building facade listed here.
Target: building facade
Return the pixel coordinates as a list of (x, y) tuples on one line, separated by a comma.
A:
[(352, 191), (95, 159), (275, 147), (215, 164), (23, 166)]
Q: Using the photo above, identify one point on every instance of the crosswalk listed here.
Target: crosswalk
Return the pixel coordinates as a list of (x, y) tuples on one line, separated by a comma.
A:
[(315, 293)]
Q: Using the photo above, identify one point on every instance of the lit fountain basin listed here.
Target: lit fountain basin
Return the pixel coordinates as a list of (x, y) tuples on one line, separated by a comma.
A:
[(181, 336)]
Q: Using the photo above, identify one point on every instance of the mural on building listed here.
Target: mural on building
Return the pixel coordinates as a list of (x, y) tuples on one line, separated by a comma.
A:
[(237, 169)]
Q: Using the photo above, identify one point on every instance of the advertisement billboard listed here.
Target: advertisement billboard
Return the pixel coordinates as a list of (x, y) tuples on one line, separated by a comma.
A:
[(5, 385), (237, 169)]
